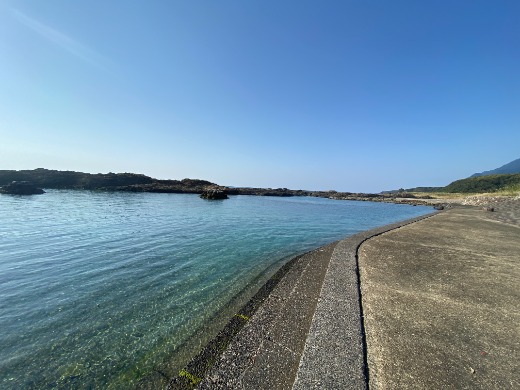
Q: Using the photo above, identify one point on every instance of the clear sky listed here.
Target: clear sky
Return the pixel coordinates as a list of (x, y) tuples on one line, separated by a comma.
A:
[(347, 95)]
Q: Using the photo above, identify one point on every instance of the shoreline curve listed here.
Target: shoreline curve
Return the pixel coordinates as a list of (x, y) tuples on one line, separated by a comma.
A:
[(226, 359)]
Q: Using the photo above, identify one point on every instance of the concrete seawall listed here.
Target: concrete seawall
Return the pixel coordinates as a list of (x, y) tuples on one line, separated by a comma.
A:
[(431, 302)]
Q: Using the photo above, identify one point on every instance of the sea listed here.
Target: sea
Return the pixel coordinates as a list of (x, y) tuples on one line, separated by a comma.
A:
[(118, 290)]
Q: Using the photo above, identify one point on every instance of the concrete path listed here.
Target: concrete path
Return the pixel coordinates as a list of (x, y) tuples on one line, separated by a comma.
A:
[(441, 300), (334, 355)]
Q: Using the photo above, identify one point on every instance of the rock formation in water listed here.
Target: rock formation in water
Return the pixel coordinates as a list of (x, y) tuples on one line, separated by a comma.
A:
[(21, 188), (214, 194)]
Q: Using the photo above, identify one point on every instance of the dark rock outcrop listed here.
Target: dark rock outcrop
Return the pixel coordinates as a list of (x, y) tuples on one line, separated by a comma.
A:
[(214, 194), (264, 191), (21, 188)]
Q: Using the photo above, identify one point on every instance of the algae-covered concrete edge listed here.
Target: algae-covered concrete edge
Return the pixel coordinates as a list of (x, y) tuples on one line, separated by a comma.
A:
[(201, 364)]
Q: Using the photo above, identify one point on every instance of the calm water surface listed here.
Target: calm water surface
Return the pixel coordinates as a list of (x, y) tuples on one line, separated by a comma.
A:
[(100, 290)]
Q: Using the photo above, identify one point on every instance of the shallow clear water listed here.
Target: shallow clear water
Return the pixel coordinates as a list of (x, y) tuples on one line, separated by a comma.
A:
[(98, 289)]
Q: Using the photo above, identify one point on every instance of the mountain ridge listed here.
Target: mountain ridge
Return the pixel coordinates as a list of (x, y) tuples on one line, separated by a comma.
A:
[(509, 168)]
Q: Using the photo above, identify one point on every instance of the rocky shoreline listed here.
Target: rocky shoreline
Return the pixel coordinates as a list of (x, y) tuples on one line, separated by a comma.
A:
[(131, 182)]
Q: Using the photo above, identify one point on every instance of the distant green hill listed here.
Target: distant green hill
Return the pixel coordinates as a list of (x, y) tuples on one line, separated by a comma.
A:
[(46, 178), (480, 184), (504, 178)]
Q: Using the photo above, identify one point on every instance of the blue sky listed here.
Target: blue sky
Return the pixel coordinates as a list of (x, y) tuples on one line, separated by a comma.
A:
[(345, 95)]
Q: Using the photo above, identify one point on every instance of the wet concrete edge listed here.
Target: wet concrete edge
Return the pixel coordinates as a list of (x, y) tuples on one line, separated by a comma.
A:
[(199, 366)]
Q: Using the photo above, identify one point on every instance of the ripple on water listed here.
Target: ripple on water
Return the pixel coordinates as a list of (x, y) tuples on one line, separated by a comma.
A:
[(99, 289)]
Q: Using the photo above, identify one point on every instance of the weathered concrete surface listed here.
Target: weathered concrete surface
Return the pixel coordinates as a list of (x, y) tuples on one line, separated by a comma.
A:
[(441, 302), (334, 355), (266, 352)]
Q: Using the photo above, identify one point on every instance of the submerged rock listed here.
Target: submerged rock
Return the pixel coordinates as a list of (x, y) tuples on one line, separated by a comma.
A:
[(21, 188), (214, 193)]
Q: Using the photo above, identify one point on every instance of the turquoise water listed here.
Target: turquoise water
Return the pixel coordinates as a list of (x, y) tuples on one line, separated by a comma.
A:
[(98, 290)]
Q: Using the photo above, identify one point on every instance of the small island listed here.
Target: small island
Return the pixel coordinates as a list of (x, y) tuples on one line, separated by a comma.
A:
[(214, 194), (21, 188)]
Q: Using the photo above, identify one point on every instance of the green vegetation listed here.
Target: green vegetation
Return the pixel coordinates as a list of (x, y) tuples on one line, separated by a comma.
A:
[(45, 178), (481, 184), (511, 190), (70, 179), (503, 184)]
